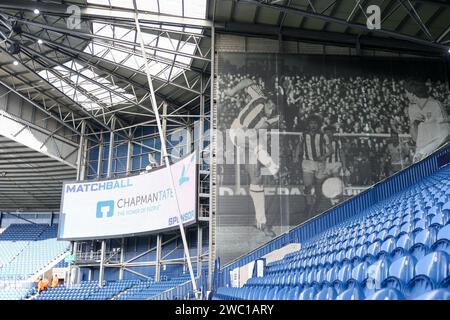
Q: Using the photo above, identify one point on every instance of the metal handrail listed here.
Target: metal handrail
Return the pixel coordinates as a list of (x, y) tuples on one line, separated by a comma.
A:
[(182, 290)]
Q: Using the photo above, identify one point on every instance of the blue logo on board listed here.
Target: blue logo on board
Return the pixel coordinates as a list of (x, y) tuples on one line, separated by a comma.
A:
[(183, 178), (105, 208)]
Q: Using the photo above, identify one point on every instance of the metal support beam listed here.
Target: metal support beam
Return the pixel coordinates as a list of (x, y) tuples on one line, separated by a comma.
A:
[(101, 276), (71, 128), (100, 156), (212, 155), (129, 154), (110, 151), (105, 13), (165, 155), (199, 249), (329, 38), (164, 127), (81, 153), (412, 12), (158, 257), (80, 177), (122, 257), (318, 16)]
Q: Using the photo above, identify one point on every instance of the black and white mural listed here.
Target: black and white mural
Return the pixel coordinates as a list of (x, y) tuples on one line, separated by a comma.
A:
[(299, 134)]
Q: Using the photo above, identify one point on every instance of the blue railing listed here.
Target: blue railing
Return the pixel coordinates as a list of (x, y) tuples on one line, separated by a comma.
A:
[(183, 291), (343, 211)]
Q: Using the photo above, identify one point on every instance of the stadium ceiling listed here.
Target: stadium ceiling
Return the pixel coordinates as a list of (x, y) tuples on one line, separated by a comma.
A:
[(30, 180), (416, 26), (93, 71)]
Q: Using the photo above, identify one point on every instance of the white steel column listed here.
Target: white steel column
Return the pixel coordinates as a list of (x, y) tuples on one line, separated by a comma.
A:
[(100, 156), (212, 167), (122, 256), (129, 153), (164, 152), (158, 257), (80, 177), (101, 275), (199, 249)]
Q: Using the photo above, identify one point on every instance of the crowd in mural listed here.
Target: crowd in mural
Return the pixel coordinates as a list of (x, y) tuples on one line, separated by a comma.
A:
[(364, 113)]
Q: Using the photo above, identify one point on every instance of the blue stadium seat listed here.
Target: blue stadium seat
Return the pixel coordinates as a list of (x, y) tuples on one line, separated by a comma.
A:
[(327, 293), (354, 293), (439, 294), (379, 271), (404, 243), (400, 272), (430, 271), (443, 240), (396, 249), (387, 294), (308, 293)]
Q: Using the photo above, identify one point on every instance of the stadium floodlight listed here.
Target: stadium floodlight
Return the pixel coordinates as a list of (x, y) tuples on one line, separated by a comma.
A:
[(40, 41), (16, 63), (36, 11)]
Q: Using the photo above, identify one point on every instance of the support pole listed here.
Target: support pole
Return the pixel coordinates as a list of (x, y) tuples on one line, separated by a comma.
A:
[(199, 249), (158, 257), (164, 152), (212, 168), (129, 153), (100, 156), (110, 151), (80, 155), (201, 129), (80, 177), (122, 256), (101, 276)]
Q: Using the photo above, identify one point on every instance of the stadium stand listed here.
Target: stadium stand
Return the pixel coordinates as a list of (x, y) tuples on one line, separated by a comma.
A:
[(397, 249), (25, 249), (144, 290), (112, 290), (11, 293)]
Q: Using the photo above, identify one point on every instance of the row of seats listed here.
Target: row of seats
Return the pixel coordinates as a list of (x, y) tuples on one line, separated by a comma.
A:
[(397, 249), (117, 290), (34, 246), (87, 290), (147, 289), (326, 293), (15, 238), (15, 293)]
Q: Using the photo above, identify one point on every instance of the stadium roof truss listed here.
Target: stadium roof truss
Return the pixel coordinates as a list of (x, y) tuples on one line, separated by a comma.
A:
[(84, 75), (95, 72), (410, 25), (89, 77)]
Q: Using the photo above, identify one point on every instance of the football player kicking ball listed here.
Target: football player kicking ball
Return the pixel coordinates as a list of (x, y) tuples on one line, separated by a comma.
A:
[(256, 115)]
